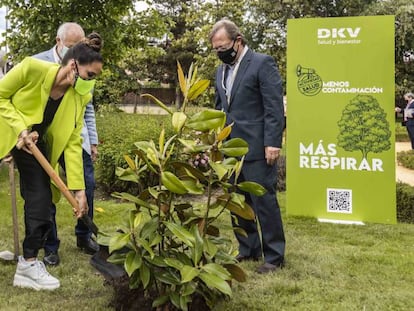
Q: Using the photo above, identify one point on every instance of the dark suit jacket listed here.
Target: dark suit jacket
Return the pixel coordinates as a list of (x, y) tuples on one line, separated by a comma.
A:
[(256, 104)]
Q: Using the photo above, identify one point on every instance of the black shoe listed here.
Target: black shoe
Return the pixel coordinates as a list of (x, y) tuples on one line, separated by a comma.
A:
[(241, 258), (51, 259), (268, 267), (88, 246)]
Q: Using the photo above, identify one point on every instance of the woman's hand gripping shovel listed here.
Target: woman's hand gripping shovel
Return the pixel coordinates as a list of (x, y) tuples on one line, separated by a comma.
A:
[(44, 163)]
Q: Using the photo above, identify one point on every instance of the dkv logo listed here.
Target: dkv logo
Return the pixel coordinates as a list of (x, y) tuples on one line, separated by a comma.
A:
[(342, 33)]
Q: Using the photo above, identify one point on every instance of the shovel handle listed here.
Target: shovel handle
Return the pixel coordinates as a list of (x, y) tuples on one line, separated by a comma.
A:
[(44, 163)]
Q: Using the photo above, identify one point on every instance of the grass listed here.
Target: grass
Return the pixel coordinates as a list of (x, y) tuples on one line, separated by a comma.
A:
[(328, 267)]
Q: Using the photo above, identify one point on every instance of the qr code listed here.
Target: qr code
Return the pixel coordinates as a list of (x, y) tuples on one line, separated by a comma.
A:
[(339, 200)]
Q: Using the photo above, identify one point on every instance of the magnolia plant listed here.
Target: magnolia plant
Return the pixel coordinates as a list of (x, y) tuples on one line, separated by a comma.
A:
[(172, 245)]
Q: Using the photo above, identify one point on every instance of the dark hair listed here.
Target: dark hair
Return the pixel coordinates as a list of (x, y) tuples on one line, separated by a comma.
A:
[(86, 51), (231, 29)]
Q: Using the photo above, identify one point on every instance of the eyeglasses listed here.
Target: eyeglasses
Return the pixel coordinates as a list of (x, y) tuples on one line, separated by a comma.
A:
[(224, 48), (91, 75)]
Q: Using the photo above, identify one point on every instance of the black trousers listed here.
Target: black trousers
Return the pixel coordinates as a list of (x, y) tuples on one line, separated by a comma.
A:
[(271, 240), (37, 195)]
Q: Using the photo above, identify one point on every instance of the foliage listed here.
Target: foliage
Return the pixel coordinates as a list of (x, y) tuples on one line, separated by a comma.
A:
[(171, 245), (364, 127), (32, 27), (117, 133), (405, 203), (147, 44), (406, 159), (33, 24), (401, 133), (404, 41)]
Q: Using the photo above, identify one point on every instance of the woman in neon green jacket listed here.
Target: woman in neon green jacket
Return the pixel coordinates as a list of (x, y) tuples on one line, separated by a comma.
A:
[(44, 103)]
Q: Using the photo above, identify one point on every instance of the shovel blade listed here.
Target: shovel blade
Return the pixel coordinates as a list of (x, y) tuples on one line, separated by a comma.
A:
[(7, 256)]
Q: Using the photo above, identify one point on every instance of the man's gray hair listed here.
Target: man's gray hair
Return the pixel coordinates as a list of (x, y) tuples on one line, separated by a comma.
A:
[(231, 28), (67, 28), (409, 94)]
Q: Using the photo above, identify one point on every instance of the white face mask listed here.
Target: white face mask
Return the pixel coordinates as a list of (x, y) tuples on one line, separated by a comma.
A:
[(63, 51)]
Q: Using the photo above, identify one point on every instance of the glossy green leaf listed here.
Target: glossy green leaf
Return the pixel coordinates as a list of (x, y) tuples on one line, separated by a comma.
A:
[(126, 174), (197, 88), (158, 102), (168, 278), (178, 120), (175, 263), (135, 280), (172, 183), (143, 145), (181, 79), (131, 198), (150, 228), (213, 281), (218, 270), (210, 248), (244, 211), (175, 299), (145, 275), (235, 147), (117, 258), (181, 233), (129, 161), (160, 300), (238, 198), (154, 192), (192, 146), (192, 187), (188, 273), (138, 219), (144, 244), (153, 156), (197, 250), (188, 289), (236, 272), (156, 261), (206, 120), (219, 169), (132, 262), (224, 133), (252, 187), (118, 241), (161, 141)]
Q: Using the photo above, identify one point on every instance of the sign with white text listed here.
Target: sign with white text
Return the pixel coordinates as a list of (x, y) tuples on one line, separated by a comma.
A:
[(340, 119)]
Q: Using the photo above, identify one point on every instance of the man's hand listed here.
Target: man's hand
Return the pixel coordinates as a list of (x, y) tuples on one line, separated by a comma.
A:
[(271, 154), (25, 139), (94, 152), (80, 196)]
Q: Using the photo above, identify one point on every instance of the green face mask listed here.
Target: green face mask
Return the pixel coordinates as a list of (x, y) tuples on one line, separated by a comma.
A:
[(83, 87)]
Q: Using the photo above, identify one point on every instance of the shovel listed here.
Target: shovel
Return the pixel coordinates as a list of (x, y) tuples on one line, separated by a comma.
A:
[(110, 271), (7, 255), (44, 163)]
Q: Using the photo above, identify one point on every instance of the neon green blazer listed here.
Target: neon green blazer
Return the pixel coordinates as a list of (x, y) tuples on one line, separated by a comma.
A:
[(24, 92)]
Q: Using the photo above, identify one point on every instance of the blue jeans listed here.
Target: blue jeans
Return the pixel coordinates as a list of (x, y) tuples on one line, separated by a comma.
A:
[(81, 230)]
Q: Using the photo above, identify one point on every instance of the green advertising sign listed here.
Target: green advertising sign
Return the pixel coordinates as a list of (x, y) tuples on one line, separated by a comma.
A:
[(340, 119)]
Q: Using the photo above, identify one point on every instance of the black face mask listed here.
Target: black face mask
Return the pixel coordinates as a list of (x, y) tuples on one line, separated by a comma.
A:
[(228, 56)]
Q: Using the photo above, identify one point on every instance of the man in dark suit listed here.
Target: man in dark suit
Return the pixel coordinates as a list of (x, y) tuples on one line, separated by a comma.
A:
[(249, 91)]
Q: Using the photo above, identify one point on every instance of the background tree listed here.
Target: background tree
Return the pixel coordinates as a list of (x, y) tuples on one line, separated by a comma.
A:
[(404, 41), (364, 127), (144, 46)]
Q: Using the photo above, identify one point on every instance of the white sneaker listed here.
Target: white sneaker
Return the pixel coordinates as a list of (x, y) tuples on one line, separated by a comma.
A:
[(33, 274)]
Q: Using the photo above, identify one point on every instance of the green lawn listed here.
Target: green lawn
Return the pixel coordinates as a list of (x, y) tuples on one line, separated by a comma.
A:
[(328, 267)]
